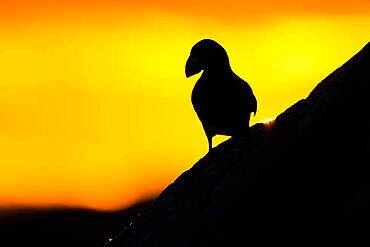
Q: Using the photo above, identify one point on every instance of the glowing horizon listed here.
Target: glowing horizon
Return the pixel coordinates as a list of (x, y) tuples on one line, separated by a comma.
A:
[(94, 104)]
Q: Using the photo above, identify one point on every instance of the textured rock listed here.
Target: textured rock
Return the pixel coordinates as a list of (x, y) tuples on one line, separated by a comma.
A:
[(304, 177)]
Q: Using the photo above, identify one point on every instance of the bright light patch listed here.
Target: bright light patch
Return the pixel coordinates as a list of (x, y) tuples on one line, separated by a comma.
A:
[(268, 121)]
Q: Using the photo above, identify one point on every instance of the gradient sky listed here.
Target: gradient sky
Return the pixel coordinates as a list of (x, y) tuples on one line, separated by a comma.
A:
[(95, 108)]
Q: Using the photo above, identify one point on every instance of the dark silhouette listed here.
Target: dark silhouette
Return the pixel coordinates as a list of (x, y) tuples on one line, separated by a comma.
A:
[(303, 180), (222, 100), (62, 227)]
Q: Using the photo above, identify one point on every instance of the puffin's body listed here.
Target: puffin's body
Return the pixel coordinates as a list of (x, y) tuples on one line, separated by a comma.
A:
[(221, 99)]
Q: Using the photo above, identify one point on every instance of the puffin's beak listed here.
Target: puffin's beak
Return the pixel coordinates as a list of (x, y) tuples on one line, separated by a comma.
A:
[(192, 66)]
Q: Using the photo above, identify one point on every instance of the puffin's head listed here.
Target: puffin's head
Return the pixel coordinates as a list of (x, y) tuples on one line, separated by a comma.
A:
[(207, 54)]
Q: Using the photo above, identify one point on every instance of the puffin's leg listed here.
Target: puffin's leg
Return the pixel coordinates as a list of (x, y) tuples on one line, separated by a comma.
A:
[(209, 135), (209, 138)]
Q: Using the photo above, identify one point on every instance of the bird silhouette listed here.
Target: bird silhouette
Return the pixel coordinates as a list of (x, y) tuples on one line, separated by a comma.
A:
[(222, 100)]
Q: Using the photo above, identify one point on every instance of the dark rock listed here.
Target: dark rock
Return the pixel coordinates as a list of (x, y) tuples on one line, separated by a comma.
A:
[(303, 178)]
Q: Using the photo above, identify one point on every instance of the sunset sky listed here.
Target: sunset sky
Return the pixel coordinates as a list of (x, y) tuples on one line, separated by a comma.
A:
[(95, 107)]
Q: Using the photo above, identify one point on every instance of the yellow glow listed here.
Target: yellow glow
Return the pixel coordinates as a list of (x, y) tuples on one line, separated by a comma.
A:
[(100, 115), (268, 120)]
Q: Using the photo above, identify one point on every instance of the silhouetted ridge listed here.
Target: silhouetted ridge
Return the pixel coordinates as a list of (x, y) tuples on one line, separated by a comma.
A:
[(304, 178)]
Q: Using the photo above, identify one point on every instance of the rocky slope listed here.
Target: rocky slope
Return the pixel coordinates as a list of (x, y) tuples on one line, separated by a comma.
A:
[(305, 177)]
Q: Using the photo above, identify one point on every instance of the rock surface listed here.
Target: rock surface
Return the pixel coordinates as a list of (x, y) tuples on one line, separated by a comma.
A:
[(305, 177)]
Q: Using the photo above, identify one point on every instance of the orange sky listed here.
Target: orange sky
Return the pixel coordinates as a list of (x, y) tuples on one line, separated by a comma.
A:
[(95, 108)]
